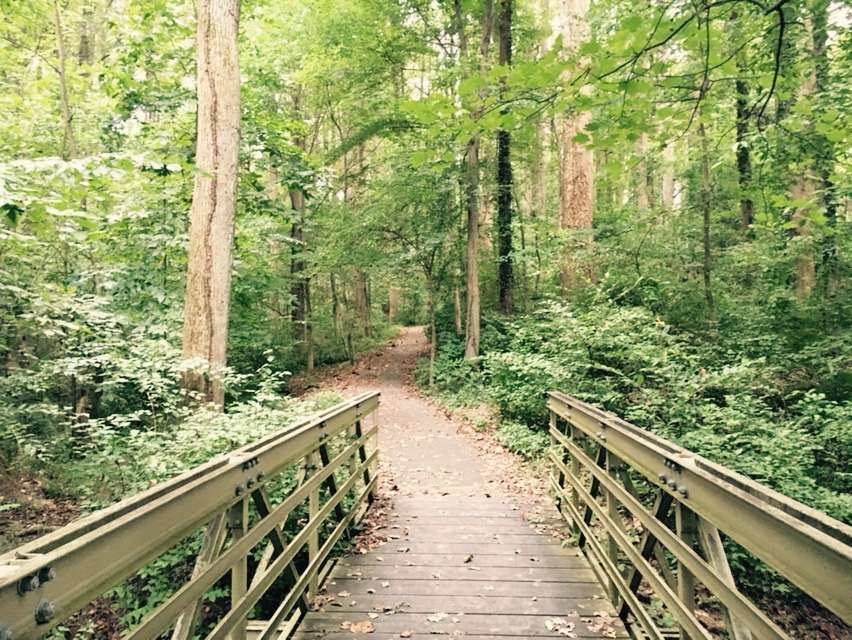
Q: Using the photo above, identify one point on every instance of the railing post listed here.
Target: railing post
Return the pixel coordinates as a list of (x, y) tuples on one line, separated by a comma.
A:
[(613, 515), (686, 529), (362, 456), (313, 539), (212, 543), (554, 425), (575, 467), (238, 526), (714, 553)]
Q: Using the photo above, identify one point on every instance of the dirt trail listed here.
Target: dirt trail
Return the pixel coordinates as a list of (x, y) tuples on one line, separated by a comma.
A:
[(422, 448)]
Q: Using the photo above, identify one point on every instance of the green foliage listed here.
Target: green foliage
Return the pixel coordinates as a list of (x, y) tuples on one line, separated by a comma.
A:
[(743, 412), (521, 439)]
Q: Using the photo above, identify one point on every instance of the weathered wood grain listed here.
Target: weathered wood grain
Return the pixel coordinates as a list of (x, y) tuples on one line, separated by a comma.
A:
[(462, 566)]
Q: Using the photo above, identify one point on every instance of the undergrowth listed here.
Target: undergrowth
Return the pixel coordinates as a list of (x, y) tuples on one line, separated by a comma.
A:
[(770, 414)]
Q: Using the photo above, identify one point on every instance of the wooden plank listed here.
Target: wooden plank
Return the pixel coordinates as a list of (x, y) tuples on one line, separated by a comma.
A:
[(428, 604), (535, 547), (481, 574), (460, 560), (456, 504), (453, 588), (463, 623), (346, 635), (439, 519), (458, 528), (480, 537)]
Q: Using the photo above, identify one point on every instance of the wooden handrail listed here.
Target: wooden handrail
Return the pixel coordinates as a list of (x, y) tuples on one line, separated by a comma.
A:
[(46, 580), (605, 474)]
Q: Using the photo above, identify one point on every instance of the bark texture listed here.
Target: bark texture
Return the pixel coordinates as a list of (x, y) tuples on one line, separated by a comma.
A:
[(743, 113), (667, 192), (576, 161), (706, 208), (505, 278), (68, 142), (471, 192), (211, 225), (393, 304)]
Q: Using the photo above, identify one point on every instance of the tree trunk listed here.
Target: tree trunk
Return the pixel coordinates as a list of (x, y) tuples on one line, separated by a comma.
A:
[(742, 124), (504, 176), (362, 301), (86, 50), (471, 195), (706, 206), (643, 196), (804, 189), (472, 326), (310, 351), (576, 161), (211, 225), (335, 308), (457, 314), (667, 193), (68, 142), (393, 304), (825, 153), (433, 334), (301, 285)]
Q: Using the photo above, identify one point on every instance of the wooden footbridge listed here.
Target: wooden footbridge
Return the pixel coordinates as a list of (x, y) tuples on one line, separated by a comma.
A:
[(650, 525)]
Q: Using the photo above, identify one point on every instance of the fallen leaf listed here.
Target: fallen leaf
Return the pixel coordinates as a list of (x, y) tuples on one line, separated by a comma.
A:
[(469, 558), (406, 634), (437, 617), (365, 626)]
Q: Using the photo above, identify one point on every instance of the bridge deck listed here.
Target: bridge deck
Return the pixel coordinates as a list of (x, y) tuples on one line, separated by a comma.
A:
[(462, 566)]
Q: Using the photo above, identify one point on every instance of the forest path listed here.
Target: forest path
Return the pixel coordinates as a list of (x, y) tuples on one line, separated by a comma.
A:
[(457, 544), (420, 446)]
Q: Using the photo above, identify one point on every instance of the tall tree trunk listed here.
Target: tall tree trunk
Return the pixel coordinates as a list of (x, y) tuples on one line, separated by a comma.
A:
[(86, 49), (743, 153), (742, 125), (68, 142), (825, 154), (301, 284), (804, 187), (576, 160), (706, 207), (472, 312), (211, 226), (504, 176), (471, 193), (433, 332)]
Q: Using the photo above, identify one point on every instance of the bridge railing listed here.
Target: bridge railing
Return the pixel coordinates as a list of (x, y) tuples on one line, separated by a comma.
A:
[(648, 516), (320, 470)]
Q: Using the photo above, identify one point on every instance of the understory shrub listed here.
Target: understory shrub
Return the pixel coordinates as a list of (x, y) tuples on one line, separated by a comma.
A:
[(519, 438), (754, 413)]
